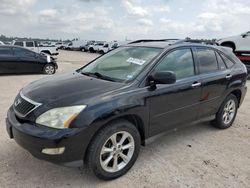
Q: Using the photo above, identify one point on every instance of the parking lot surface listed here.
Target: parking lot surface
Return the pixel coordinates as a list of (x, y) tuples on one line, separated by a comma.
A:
[(197, 156)]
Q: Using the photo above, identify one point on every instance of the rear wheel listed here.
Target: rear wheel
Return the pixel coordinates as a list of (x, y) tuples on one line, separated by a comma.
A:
[(49, 69), (114, 150), (227, 113)]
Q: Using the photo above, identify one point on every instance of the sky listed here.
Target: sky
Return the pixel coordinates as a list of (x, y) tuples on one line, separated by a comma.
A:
[(120, 19)]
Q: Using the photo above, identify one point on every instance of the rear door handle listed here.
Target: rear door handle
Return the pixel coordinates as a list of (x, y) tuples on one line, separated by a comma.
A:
[(229, 76), (196, 84)]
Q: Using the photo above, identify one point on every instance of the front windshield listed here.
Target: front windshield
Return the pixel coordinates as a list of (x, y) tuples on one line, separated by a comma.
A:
[(122, 64)]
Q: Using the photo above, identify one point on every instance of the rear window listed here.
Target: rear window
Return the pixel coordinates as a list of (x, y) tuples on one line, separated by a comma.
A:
[(5, 51), (23, 52), (18, 43), (207, 60), (228, 62)]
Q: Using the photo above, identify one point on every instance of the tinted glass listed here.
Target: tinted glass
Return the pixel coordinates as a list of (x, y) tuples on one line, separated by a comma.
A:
[(18, 44), (5, 51), (221, 63), (29, 44), (23, 52), (228, 62), (180, 62), (123, 64), (207, 60)]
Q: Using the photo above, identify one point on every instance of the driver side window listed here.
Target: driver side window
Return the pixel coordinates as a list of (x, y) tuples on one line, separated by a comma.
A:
[(180, 62)]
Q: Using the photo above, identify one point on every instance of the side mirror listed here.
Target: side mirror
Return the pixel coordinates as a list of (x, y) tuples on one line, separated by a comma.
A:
[(163, 77), (244, 35)]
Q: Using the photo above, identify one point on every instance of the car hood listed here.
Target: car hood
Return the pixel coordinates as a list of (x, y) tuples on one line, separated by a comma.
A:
[(68, 89)]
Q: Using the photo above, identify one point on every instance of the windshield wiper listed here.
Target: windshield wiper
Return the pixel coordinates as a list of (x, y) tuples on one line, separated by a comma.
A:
[(98, 75)]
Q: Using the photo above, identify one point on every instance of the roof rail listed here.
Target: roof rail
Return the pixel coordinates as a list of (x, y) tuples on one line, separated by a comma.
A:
[(201, 41), (152, 40)]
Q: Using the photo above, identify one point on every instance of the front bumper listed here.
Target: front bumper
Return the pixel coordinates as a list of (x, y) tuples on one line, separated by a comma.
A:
[(34, 139)]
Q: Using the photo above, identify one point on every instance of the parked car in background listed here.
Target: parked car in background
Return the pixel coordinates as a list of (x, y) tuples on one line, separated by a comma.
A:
[(111, 45), (101, 113), (106, 47), (33, 45), (14, 59), (95, 47), (59, 45), (239, 43), (1, 43), (85, 47)]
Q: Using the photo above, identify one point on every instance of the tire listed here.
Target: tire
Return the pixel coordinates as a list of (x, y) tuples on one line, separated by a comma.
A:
[(229, 45), (49, 69), (225, 116), (96, 161), (102, 52), (91, 50)]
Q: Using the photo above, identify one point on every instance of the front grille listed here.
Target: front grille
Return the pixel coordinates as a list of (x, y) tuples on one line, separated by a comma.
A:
[(23, 106)]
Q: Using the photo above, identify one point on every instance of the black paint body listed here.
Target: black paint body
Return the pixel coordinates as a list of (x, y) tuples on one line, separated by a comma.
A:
[(29, 62), (152, 110)]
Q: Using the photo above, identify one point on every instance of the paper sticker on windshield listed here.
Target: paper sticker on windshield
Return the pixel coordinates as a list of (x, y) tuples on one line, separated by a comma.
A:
[(136, 61)]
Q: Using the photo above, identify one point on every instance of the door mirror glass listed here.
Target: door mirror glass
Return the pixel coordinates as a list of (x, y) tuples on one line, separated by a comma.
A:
[(164, 77)]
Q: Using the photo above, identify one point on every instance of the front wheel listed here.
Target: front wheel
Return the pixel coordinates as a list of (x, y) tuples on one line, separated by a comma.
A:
[(227, 113), (114, 150), (49, 69)]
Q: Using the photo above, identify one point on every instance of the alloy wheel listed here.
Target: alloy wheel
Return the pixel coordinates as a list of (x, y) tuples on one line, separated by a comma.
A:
[(229, 111), (117, 151)]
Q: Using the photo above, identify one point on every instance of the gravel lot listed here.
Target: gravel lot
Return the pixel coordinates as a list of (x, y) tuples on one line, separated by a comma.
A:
[(198, 156)]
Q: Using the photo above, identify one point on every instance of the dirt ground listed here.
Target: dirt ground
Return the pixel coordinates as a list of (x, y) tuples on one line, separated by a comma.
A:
[(198, 156)]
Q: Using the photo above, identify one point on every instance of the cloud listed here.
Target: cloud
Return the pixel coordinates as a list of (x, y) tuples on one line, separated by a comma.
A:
[(12, 7), (145, 22), (134, 10)]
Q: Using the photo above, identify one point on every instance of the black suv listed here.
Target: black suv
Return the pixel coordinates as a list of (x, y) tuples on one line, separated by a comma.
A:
[(102, 113)]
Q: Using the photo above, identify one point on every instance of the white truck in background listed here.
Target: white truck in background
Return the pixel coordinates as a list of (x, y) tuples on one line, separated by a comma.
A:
[(95, 47), (239, 43), (111, 45), (33, 45), (76, 45)]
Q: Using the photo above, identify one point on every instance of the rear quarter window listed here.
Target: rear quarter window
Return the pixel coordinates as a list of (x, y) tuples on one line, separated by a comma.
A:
[(228, 62), (222, 65)]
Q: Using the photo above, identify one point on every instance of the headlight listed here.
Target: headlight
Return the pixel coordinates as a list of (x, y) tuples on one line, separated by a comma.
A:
[(59, 118)]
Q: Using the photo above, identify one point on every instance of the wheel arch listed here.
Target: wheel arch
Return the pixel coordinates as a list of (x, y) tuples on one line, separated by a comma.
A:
[(238, 95), (132, 118), (229, 42), (46, 51)]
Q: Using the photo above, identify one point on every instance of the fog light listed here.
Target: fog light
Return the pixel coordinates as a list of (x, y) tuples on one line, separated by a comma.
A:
[(53, 151)]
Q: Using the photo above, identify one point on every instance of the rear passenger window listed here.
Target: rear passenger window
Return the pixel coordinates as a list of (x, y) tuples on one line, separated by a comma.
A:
[(228, 62), (23, 52), (29, 44), (5, 51), (207, 59), (221, 63), (18, 43), (180, 62)]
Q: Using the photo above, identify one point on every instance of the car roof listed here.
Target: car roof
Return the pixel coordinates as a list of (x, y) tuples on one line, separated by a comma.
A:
[(174, 44)]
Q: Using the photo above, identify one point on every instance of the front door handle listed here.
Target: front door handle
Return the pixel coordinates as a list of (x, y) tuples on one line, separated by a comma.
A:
[(196, 84), (229, 76)]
